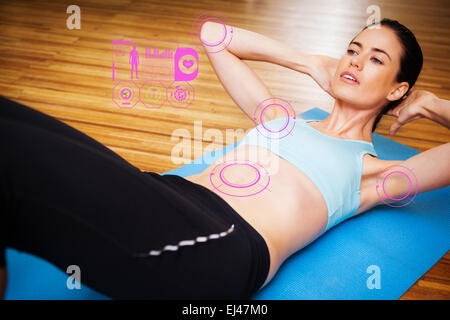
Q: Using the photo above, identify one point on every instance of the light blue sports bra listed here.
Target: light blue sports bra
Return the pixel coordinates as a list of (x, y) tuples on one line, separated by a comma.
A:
[(334, 165)]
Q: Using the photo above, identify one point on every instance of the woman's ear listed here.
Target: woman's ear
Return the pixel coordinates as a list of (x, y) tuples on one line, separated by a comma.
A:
[(398, 91)]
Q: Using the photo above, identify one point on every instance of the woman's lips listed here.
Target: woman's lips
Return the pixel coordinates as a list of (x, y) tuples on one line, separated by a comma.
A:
[(345, 76)]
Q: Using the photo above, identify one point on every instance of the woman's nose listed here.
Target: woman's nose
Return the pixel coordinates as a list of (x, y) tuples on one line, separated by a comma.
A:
[(356, 61)]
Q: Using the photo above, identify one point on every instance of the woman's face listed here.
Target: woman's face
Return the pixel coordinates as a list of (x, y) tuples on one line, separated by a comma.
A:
[(373, 61)]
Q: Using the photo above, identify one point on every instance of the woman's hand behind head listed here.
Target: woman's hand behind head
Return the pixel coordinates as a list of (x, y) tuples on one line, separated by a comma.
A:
[(411, 108), (322, 71)]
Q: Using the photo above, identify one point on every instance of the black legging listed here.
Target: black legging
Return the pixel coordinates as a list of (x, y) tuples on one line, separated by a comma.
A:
[(70, 200)]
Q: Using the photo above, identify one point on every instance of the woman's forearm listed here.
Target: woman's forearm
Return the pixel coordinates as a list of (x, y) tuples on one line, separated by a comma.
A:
[(249, 45), (439, 111)]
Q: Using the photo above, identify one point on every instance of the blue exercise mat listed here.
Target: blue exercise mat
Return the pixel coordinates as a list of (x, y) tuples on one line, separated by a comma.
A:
[(376, 255)]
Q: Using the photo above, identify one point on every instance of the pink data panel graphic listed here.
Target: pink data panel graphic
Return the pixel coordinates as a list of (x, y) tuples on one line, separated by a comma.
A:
[(152, 72)]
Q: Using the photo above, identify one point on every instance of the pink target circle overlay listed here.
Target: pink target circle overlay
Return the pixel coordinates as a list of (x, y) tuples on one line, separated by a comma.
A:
[(382, 181), (211, 47), (126, 93), (277, 128), (212, 44), (410, 186), (256, 180)]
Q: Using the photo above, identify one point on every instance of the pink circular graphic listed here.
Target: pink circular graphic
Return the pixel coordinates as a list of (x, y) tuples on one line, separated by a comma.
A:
[(120, 51), (284, 130), (126, 93), (258, 183), (153, 94), (258, 175), (287, 116), (180, 94), (384, 181), (207, 44), (411, 184), (195, 33)]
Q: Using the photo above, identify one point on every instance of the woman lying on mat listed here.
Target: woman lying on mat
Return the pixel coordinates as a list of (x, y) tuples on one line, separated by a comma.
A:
[(224, 233)]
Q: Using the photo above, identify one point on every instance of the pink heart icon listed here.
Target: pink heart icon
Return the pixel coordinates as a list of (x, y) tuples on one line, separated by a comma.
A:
[(188, 63)]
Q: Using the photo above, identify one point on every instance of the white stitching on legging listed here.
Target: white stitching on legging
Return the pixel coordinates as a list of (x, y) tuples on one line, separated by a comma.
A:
[(186, 243)]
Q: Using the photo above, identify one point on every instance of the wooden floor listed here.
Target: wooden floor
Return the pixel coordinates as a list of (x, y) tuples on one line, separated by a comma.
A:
[(67, 73)]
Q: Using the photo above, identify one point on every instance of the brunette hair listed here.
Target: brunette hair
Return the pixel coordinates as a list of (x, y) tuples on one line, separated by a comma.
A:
[(410, 62)]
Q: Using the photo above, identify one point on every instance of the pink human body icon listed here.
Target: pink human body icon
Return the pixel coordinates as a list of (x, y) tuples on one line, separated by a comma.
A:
[(134, 61)]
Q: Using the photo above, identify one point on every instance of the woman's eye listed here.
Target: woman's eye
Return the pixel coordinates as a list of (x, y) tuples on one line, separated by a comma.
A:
[(350, 51), (377, 61)]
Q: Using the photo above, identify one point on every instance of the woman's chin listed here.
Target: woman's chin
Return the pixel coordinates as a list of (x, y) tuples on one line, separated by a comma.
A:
[(345, 97), (348, 95)]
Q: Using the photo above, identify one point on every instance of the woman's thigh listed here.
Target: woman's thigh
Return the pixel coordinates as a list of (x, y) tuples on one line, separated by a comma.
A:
[(70, 202), (12, 110), (117, 266)]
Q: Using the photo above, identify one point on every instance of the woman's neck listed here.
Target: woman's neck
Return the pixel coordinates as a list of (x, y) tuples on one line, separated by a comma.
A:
[(348, 122)]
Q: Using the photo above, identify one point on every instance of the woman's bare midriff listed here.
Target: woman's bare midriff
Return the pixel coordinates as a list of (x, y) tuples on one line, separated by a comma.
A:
[(287, 209)]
